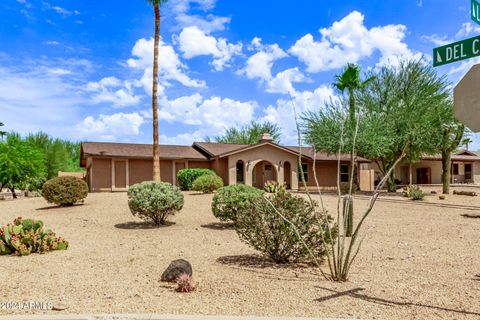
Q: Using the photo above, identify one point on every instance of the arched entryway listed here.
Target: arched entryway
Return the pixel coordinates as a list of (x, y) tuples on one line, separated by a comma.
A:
[(263, 172), (240, 171), (287, 174)]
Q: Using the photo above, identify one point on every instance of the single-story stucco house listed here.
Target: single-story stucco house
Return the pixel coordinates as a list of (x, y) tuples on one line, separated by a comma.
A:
[(465, 169), (115, 166)]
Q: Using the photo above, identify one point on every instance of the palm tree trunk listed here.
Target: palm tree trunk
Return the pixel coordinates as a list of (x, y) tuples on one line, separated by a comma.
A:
[(156, 147), (353, 155)]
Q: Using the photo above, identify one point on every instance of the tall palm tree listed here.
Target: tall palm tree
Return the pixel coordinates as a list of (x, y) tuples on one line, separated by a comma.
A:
[(350, 80), (156, 148)]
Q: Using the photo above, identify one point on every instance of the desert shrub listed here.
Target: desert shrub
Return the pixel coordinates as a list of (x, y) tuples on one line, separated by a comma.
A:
[(207, 183), (261, 226), (26, 236), (228, 200), (274, 187), (64, 191), (154, 201), (414, 193), (186, 177)]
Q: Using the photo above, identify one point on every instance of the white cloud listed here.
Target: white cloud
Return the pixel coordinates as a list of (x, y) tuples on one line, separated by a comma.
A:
[(214, 113), (34, 100), (283, 81), (348, 40), (194, 42), (111, 127), (113, 91), (169, 64), (436, 39), (208, 22), (260, 64), (282, 113), (467, 29)]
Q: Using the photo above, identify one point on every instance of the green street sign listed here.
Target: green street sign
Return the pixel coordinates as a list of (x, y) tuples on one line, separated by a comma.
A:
[(457, 51), (475, 11)]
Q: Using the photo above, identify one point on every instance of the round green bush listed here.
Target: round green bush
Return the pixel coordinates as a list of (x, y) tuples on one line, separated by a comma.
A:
[(228, 200), (207, 183), (64, 191), (261, 226), (154, 201), (186, 177)]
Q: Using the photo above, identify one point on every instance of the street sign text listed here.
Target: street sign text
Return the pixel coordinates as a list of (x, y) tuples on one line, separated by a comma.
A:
[(456, 51), (475, 11)]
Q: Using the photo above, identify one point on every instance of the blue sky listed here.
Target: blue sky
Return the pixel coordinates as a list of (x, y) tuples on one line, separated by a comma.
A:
[(81, 70)]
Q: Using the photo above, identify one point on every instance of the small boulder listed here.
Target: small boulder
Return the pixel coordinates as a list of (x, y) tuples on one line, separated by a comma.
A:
[(433, 192), (175, 269)]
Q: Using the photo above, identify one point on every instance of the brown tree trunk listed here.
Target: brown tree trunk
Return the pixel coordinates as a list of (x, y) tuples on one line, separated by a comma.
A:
[(156, 147), (446, 171), (391, 185), (12, 190)]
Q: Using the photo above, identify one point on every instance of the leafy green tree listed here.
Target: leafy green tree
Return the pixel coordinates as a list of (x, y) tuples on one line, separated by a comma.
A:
[(249, 134), (401, 109), (156, 148), (20, 164), (2, 133), (59, 155)]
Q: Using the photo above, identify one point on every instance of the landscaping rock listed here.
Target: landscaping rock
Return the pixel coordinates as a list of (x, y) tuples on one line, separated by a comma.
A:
[(465, 193), (176, 268), (59, 307)]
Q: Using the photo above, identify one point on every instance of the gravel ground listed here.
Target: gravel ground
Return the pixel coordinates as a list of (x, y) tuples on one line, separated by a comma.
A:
[(417, 262)]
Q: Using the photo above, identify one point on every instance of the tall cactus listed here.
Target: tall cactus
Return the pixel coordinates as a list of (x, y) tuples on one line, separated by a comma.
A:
[(348, 215)]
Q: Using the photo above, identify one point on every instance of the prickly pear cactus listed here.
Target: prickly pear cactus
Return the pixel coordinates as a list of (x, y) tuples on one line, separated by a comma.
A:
[(26, 236)]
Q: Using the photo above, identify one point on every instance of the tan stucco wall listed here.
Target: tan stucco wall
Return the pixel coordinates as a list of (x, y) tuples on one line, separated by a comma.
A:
[(326, 174), (268, 153), (140, 170), (476, 172), (220, 166), (101, 174)]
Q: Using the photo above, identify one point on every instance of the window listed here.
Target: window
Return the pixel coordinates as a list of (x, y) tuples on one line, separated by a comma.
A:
[(344, 174), (304, 169), (455, 168), (240, 171)]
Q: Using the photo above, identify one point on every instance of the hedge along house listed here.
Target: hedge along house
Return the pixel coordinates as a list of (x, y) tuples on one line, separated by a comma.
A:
[(115, 166)]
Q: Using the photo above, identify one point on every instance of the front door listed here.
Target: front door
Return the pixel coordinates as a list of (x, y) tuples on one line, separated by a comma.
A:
[(120, 174), (268, 173), (468, 172), (423, 176)]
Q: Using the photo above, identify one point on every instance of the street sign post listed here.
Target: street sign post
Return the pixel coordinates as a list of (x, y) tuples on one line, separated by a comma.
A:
[(466, 98), (475, 9), (456, 51)]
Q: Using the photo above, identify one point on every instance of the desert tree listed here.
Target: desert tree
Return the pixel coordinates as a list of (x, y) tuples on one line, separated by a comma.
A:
[(20, 164), (249, 134), (408, 99), (156, 147), (58, 154)]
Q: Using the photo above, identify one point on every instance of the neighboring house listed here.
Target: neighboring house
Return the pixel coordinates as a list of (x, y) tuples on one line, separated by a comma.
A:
[(115, 166), (428, 170)]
